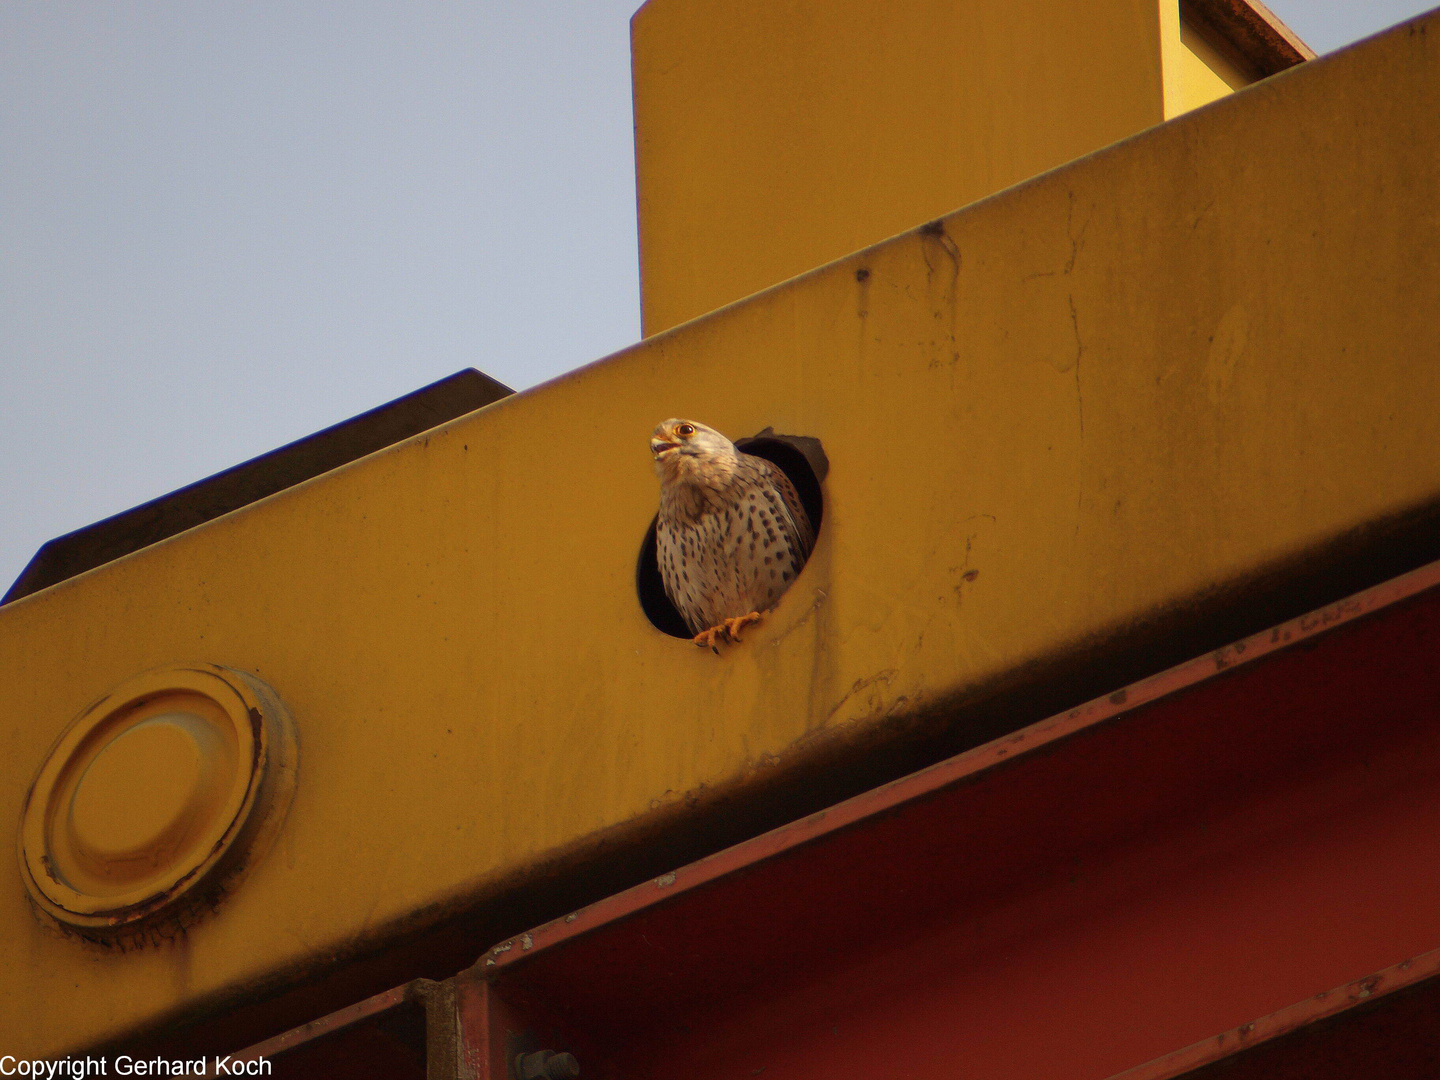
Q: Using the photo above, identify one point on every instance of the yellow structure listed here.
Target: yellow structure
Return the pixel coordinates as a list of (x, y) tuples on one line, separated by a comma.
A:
[(1051, 418), (774, 137), (157, 797)]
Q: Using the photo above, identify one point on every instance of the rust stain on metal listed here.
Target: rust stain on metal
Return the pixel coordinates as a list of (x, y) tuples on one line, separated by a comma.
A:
[(1365, 987), (1319, 1006)]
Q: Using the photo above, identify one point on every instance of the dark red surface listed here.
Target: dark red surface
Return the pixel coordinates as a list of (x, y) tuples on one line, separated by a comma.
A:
[(1127, 886), (1079, 898), (381, 1037), (1381, 1025)]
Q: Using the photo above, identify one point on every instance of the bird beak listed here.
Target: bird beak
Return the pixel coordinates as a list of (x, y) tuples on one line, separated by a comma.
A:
[(659, 446)]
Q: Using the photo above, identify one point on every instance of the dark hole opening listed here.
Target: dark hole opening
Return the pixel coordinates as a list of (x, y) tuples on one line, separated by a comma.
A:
[(803, 461)]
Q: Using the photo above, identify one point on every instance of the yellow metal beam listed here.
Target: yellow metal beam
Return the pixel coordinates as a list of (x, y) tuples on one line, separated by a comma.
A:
[(772, 137), (1081, 401)]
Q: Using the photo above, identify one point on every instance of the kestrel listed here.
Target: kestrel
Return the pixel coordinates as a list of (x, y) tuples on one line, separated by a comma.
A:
[(732, 533)]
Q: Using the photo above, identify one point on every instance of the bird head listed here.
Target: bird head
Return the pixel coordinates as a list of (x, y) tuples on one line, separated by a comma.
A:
[(684, 450)]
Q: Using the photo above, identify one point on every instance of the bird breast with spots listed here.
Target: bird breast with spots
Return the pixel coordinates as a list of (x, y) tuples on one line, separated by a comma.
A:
[(727, 549)]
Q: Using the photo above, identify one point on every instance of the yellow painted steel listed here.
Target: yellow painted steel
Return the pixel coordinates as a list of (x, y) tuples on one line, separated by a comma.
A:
[(154, 797), (1196, 73), (772, 137), (1206, 75), (1090, 397)]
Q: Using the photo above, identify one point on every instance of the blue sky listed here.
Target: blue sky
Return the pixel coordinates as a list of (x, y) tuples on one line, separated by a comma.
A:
[(224, 225)]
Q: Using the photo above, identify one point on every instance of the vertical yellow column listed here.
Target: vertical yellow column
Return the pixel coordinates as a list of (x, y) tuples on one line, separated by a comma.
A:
[(773, 136), (1173, 56), (776, 135)]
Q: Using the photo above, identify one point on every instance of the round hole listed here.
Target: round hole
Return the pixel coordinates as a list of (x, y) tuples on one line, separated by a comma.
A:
[(800, 457)]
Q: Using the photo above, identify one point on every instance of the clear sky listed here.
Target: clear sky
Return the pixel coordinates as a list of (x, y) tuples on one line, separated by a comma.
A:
[(225, 224)]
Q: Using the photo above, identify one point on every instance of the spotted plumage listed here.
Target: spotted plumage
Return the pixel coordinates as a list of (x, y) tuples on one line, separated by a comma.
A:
[(732, 533)]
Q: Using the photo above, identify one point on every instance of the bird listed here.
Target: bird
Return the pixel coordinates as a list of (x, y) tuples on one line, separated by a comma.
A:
[(732, 534)]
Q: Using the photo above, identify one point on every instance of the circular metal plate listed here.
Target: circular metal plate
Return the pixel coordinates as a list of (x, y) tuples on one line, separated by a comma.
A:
[(164, 786)]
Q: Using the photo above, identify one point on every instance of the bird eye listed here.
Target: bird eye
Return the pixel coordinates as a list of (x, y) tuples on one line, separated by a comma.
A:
[(685, 429)]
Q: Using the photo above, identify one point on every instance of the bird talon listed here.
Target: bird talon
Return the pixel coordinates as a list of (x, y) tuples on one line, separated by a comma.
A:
[(706, 639), (735, 625)]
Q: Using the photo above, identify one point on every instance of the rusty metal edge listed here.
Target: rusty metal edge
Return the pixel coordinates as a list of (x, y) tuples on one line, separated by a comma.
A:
[(1252, 31), (967, 767), (1291, 1018), (336, 1021)]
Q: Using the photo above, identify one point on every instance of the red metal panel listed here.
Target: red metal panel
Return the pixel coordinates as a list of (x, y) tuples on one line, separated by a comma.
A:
[(1209, 846), (1200, 849), (327, 1026), (382, 1037), (1326, 1005)]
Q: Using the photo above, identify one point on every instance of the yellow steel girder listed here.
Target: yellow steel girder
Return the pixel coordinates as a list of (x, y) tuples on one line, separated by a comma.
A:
[(1072, 404)]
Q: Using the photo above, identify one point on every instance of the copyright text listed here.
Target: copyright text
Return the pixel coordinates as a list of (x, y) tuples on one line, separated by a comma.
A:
[(124, 1065)]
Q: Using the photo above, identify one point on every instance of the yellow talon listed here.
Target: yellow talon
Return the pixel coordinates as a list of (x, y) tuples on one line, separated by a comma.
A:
[(706, 638), (729, 630), (735, 625)]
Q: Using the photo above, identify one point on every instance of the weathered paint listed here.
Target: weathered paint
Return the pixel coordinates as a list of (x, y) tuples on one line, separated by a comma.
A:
[(1248, 835), (1219, 878), (1162, 367), (772, 137), (1327, 1005), (150, 805)]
